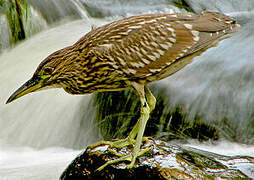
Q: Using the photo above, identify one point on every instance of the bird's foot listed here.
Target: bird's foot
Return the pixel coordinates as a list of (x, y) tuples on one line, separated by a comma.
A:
[(122, 158), (118, 143)]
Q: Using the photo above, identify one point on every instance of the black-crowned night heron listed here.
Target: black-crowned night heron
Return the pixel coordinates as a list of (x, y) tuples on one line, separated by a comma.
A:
[(130, 53)]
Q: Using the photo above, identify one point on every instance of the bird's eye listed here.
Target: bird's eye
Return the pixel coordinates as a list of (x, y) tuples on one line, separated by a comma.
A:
[(48, 70), (233, 22)]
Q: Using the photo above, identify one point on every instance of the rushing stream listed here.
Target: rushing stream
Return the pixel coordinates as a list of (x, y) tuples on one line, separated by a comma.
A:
[(34, 130), (42, 132)]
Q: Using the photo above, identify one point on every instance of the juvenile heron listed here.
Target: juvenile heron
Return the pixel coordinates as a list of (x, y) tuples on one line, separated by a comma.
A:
[(130, 53)]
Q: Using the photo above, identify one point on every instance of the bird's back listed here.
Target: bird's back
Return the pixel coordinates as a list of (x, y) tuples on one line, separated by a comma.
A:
[(131, 51), (142, 46)]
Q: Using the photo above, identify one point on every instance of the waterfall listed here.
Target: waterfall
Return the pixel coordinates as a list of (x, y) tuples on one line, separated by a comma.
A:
[(47, 118)]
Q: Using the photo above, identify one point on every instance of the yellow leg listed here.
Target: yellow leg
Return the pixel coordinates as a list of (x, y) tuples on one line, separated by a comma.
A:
[(148, 102), (145, 110), (151, 100), (131, 137)]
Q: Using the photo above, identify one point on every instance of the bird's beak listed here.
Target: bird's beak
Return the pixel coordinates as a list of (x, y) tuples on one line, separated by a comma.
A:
[(30, 86)]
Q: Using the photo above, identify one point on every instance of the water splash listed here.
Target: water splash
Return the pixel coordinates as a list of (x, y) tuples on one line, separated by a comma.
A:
[(25, 163)]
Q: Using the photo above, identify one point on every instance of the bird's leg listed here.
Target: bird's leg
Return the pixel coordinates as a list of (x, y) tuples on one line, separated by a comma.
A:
[(151, 101), (146, 107), (148, 102)]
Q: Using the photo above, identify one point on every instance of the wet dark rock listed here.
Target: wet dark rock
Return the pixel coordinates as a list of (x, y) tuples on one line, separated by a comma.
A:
[(163, 161)]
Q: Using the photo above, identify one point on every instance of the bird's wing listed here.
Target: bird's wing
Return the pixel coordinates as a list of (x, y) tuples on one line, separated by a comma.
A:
[(143, 45)]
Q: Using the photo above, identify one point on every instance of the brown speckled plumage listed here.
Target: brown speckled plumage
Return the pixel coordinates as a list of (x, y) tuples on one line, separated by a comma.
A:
[(130, 53), (138, 48)]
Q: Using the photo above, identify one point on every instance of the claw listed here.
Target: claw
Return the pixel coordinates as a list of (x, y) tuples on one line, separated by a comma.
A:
[(120, 144), (115, 153), (124, 158)]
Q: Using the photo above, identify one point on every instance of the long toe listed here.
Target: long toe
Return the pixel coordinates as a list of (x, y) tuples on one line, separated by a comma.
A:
[(118, 143), (114, 144), (121, 159), (128, 157)]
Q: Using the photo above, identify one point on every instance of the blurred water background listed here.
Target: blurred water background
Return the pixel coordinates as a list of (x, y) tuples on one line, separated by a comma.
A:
[(42, 132)]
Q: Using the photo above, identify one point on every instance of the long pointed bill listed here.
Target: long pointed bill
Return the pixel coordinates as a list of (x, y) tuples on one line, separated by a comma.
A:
[(30, 86)]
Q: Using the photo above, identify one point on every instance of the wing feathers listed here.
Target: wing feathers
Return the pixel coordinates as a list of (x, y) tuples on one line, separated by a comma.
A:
[(144, 45)]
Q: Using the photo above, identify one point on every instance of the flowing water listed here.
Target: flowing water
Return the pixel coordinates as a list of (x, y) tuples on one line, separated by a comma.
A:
[(218, 86), (42, 132)]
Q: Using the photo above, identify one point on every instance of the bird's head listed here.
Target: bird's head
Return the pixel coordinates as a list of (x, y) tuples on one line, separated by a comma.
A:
[(52, 72)]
